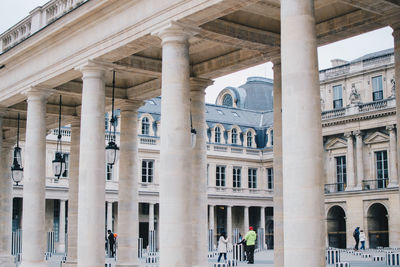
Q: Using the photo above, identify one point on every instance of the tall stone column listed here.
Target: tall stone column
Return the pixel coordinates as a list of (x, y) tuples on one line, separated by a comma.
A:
[(72, 255), (351, 183), (211, 218), (110, 216), (262, 217), (229, 224), (33, 213), (61, 233), (393, 179), (175, 148), (360, 162), (128, 203), (396, 37), (278, 185), (92, 162), (6, 199), (246, 219), (199, 172), (151, 216), (303, 198)]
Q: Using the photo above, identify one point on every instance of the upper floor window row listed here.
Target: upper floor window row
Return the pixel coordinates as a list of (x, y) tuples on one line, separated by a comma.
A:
[(233, 136)]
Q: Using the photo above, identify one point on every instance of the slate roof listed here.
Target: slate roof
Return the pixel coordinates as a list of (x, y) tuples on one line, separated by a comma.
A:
[(374, 55)]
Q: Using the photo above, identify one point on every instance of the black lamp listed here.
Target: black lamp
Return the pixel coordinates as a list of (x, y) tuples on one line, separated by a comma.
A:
[(17, 172), (193, 131), (59, 162), (112, 150)]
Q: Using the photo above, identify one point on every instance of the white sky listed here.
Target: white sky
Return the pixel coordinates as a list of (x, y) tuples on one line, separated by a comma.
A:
[(12, 11)]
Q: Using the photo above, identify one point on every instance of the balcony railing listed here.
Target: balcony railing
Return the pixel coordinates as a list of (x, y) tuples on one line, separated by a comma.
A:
[(377, 184), (334, 188)]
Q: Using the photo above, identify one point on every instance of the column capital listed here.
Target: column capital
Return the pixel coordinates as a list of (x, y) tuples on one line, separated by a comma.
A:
[(199, 84), (76, 121), (396, 30), (92, 69), (348, 135), (276, 59), (3, 111), (175, 32), (390, 127), (358, 133), (129, 104), (37, 93)]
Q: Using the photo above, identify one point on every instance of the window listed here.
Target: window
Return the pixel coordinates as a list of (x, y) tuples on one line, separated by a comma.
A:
[(252, 178), (340, 173), (147, 171), (106, 121), (249, 139), (237, 179), (337, 97), (270, 178), (382, 174), (220, 176), (377, 90), (145, 126), (217, 135), (56, 220), (110, 172), (234, 136), (66, 171), (227, 100)]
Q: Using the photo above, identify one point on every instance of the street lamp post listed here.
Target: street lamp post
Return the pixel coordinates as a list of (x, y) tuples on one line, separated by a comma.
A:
[(112, 150), (17, 172)]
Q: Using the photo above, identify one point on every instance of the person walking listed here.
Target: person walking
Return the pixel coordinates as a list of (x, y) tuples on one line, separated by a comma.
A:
[(111, 244), (222, 246), (250, 238), (362, 239), (356, 235)]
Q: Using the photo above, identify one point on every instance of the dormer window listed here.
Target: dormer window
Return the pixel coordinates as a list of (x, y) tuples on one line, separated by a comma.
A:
[(227, 100), (217, 135), (234, 136), (145, 126), (249, 139)]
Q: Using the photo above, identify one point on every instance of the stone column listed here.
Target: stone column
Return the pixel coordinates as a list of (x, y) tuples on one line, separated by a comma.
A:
[(128, 203), (396, 36), (277, 167), (6, 199), (246, 219), (175, 148), (61, 233), (303, 198), (73, 193), (151, 217), (211, 218), (110, 216), (393, 179), (351, 183), (262, 217), (199, 172), (33, 223), (229, 223), (360, 162), (92, 164)]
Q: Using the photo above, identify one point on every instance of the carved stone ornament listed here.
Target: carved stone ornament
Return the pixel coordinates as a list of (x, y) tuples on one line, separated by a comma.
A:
[(355, 97), (393, 89)]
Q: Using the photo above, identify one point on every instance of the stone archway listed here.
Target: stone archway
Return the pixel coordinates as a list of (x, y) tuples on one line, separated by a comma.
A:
[(378, 227), (336, 227)]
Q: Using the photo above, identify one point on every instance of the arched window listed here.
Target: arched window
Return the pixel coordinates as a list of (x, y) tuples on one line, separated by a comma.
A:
[(249, 139), (145, 126), (234, 136), (217, 135), (227, 100)]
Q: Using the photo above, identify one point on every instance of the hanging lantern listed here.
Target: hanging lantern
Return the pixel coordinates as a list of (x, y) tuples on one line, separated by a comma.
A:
[(17, 172), (58, 163), (112, 150), (193, 131)]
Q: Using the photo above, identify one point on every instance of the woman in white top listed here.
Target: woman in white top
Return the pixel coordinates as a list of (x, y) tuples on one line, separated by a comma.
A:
[(362, 239), (222, 246)]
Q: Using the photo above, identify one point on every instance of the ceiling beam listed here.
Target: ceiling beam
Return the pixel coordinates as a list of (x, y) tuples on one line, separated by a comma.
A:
[(145, 90), (74, 88), (51, 109), (138, 65), (269, 9)]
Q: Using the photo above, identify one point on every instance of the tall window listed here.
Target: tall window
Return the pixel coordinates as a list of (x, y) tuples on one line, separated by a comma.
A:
[(56, 220), (227, 100), (377, 89), (147, 171), (249, 139), (217, 135), (145, 126), (237, 177), (220, 176), (66, 171), (382, 174), (270, 178), (234, 136), (252, 178), (110, 172), (337, 97), (340, 173), (106, 121)]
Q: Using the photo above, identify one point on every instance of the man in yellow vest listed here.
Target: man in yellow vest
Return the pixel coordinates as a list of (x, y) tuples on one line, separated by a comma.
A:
[(250, 238)]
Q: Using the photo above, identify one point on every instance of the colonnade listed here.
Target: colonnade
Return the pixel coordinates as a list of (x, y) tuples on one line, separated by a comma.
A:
[(302, 189)]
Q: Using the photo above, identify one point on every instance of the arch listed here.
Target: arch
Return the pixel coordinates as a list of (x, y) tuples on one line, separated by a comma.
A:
[(146, 125), (378, 225), (249, 138), (227, 100), (336, 227), (218, 134), (234, 134)]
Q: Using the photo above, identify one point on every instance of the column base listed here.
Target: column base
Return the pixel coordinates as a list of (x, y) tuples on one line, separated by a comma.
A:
[(392, 185), (70, 264), (126, 265), (7, 261), (33, 264)]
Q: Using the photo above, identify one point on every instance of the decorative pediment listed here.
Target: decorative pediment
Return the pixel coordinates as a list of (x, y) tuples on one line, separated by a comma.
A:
[(336, 143), (376, 137)]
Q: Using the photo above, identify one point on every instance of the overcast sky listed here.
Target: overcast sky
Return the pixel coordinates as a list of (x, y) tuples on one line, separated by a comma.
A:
[(12, 11)]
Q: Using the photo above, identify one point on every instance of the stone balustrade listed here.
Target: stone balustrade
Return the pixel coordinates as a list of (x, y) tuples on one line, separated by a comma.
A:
[(37, 19)]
